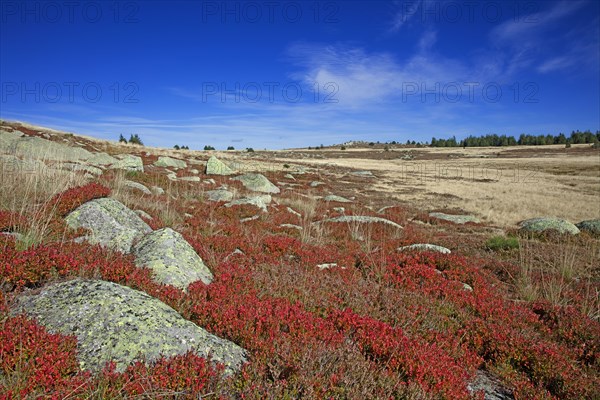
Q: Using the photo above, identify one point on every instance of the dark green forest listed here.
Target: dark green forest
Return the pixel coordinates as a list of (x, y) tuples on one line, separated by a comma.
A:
[(576, 137)]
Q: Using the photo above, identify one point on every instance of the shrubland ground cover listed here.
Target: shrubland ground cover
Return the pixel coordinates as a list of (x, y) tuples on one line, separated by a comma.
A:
[(379, 324)]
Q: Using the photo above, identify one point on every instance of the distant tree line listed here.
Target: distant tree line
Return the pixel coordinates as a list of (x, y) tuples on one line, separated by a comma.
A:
[(576, 137), (133, 139), (178, 147)]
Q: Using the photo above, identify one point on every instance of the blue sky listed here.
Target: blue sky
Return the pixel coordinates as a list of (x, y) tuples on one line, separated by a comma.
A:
[(299, 73)]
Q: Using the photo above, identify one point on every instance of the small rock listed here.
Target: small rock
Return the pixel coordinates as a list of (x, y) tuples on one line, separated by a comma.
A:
[(292, 211), (291, 226), (457, 219), (157, 190), (364, 174), (258, 201), (316, 184), (340, 210), (137, 186), (363, 219), (338, 199), (190, 179), (248, 219), (425, 247)]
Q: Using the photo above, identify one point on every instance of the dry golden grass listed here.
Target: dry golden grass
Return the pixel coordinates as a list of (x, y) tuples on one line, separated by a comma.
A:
[(501, 191), (27, 190)]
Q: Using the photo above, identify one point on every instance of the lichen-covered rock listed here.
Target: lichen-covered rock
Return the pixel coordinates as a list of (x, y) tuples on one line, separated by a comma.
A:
[(169, 162), (137, 186), (38, 148), (111, 223), (543, 224), (219, 195), (128, 162), (120, 324), (457, 219), (258, 201), (257, 183), (171, 258), (592, 226), (81, 168), (363, 220), (335, 198), (316, 184), (425, 247), (13, 164), (214, 166), (101, 159)]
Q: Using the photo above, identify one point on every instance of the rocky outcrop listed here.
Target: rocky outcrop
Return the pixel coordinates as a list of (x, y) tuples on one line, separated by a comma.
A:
[(214, 166), (257, 183), (120, 324), (169, 162), (171, 258), (540, 225), (457, 219), (37, 148), (110, 223)]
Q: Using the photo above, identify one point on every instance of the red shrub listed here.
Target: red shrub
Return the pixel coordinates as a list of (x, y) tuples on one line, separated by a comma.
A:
[(64, 203)]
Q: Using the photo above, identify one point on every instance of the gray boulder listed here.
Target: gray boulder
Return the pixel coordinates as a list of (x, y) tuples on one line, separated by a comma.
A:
[(591, 226), (363, 220), (37, 148), (101, 159), (171, 258), (425, 247), (169, 162), (457, 219), (214, 166), (128, 162), (111, 223), (219, 195), (257, 183), (543, 224), (120, 324)]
